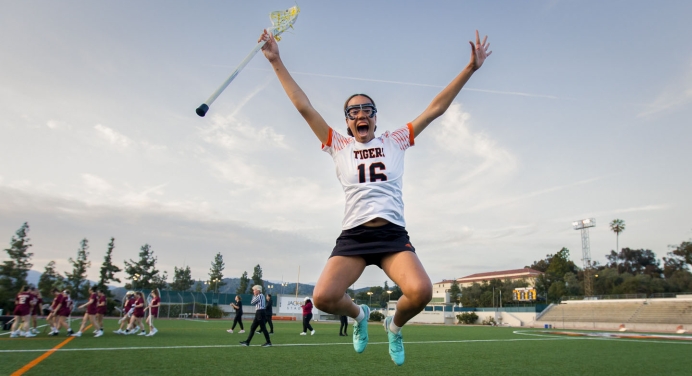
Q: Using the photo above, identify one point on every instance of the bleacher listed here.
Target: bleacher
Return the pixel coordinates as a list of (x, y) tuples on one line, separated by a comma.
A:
[(664, 312), (645, 311), (612, 311)]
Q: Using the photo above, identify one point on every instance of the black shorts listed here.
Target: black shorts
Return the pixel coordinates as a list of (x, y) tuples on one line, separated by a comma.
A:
[(372, 243)]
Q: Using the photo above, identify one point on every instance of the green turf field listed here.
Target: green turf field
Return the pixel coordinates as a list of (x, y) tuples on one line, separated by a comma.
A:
[(184, 347)]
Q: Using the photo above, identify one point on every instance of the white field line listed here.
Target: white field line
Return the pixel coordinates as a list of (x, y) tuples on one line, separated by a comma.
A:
[(553, 336), (40, 326), (278, 345)]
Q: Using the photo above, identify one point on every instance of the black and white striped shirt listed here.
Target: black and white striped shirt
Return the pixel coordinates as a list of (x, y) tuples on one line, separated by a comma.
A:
[(259, 301)]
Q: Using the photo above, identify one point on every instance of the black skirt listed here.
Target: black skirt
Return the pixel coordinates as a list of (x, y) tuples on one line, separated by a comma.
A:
[(372, 243)]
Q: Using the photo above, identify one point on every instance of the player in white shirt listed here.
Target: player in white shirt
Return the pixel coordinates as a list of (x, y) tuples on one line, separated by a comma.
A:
[(370, 170)]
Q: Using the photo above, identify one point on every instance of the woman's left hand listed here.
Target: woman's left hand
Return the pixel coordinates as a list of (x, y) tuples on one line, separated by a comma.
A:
[(479, 52)]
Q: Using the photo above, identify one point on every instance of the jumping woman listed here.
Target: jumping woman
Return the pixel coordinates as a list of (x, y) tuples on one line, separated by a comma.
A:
[(370, 170)]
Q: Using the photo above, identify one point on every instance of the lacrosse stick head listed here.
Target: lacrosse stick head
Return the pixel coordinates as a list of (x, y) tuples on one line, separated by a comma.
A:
[(282, 20)]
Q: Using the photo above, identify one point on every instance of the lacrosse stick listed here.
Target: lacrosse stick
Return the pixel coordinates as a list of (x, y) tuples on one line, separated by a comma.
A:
[(281, 20)]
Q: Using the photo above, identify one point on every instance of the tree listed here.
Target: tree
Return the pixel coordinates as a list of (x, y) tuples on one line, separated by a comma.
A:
[(76, 279), (182, 279), (617, 226), (143, 273), (216, 273), (684, 252), (244, 282), (635, 261), (108, 270), (49, 279), (257, 276), (455, 292), (13, 272), (555, 267)]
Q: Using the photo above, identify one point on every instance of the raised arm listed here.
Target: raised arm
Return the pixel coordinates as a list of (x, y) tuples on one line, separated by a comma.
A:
[(294, 92), (440, 104)]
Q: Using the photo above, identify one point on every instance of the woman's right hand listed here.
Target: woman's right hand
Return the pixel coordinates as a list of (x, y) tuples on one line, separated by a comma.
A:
[(270, 48)]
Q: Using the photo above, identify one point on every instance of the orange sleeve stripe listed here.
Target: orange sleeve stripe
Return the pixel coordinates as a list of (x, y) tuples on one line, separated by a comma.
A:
[(410, 133), (329, 139)]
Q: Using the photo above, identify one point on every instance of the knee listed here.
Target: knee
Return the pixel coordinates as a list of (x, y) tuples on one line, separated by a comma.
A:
[(324, 301), (420, 294)]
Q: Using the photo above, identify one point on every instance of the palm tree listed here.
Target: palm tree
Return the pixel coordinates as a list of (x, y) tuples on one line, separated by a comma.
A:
[(617, 226)]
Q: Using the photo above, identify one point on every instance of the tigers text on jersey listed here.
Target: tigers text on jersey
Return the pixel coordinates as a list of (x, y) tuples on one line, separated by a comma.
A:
[(371, 175)]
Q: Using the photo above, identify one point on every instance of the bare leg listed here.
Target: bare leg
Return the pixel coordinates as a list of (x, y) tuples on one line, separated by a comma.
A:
[(406, 270), (17, 323), (330, 291), (85, 321)]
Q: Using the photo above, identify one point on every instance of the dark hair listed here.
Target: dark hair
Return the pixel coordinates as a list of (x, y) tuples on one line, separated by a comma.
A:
[(348, 130), (269, 295)]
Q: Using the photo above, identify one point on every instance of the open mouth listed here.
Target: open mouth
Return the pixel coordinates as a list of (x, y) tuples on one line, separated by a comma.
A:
[(362, 130)]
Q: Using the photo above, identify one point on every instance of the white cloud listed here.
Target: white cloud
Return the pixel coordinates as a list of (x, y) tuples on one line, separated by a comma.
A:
[(54, 124), (237, 136), (93, 183), (113, 137), (675, 95), (482, 154)]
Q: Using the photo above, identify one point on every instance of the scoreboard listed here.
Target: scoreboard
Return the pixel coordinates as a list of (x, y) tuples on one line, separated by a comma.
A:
[(524, 294)]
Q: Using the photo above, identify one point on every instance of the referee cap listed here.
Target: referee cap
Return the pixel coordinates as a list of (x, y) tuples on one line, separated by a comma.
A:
[(257, 287), (306, 299)]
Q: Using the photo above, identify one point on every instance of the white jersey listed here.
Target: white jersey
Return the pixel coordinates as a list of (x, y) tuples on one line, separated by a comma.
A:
[(371, 175)]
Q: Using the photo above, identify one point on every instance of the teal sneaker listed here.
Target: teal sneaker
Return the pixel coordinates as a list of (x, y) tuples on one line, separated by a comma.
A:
[(360, 331), (396, 343)]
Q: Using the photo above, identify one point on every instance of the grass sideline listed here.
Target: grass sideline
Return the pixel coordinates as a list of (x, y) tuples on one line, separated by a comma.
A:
[(187, 347)]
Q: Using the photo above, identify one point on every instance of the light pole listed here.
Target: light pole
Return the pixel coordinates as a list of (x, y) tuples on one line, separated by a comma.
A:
[(269, 287), (370, 293), (216, 281), (135, 277), (584, 225)]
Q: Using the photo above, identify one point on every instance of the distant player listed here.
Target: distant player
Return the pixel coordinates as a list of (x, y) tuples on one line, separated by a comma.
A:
[(269, 313), (101, 308), (36, 310), (52, 318), (124, 321), (22, 313), (343, 326), (238, 319), (65, 311), (153, 312), (90, 314), (307, 316), (137, 315)]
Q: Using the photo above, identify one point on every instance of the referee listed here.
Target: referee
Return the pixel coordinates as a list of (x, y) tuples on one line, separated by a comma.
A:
[(260, 317)]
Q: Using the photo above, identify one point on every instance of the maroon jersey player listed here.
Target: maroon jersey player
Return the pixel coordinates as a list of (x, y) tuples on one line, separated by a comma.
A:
[(23, 305), (90, 315)]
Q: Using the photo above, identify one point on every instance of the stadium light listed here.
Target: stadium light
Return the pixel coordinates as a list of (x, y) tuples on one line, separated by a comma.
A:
[(370, 293), (390, 295), (584, 225)]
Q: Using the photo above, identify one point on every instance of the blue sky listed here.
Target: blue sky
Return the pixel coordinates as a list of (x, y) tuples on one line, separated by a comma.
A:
[(580, 112)]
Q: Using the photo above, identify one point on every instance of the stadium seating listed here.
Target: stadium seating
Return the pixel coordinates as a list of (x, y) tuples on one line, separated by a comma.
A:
[(649, 311)]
